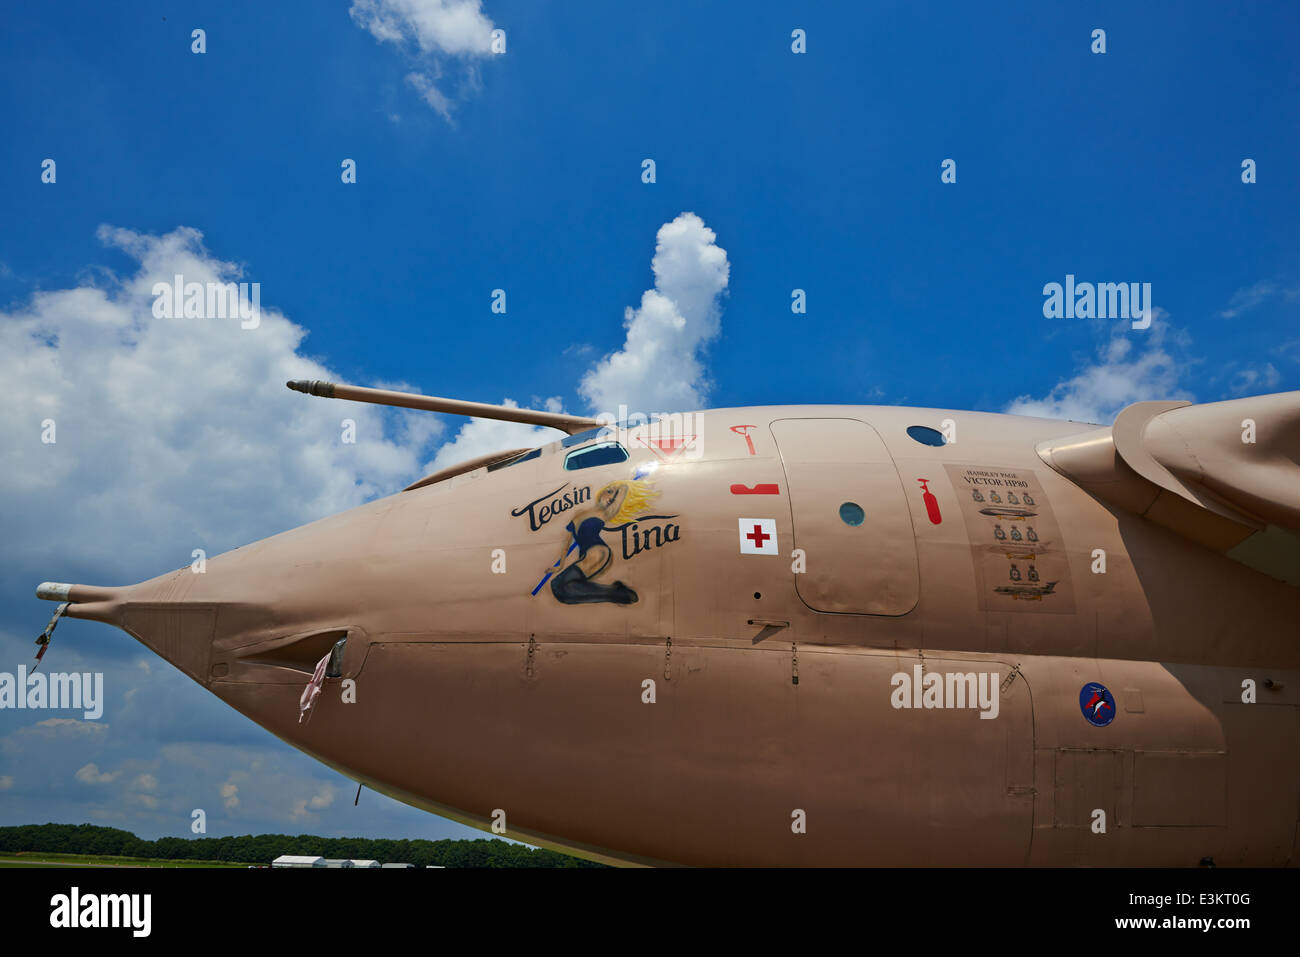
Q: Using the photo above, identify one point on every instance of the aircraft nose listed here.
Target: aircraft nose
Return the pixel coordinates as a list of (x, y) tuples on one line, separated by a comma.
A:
[(235, 605), (155, 612)]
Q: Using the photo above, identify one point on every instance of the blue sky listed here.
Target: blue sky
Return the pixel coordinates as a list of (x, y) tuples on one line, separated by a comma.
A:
[(523, 172)]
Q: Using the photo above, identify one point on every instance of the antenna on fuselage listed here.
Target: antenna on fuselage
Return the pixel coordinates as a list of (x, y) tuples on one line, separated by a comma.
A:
[(571, 424)]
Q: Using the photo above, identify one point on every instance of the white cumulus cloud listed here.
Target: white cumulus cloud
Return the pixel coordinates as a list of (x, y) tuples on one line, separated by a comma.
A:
[(1128, 369), (90, 774), (172, 434), (61, 728), (430, 93), (659, 367), (429, 32), (322, 799), (1253, 381), (1252, 297)]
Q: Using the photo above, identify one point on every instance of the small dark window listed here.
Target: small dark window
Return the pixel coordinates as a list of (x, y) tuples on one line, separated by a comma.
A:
[(605, 453), (925, 435), (851, 513), (515, 461)]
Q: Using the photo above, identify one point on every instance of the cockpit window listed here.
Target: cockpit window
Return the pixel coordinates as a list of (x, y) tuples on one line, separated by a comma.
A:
[(515, 461), (603, 453), (570, 441)]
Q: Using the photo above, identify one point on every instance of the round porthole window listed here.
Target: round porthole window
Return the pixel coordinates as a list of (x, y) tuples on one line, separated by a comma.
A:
[(851, 513), (925, 435)]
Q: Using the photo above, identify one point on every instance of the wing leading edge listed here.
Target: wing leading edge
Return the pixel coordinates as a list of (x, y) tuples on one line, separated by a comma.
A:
[(1224, 474)]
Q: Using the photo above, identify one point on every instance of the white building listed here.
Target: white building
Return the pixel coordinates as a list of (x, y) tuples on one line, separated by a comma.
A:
[(357, 863), (396, 865), (337, 862), (293, 860)]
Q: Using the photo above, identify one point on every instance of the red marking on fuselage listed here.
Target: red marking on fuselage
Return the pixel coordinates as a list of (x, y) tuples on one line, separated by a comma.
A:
[(667, 448), (931, 503), (761, 489), (744, 430)]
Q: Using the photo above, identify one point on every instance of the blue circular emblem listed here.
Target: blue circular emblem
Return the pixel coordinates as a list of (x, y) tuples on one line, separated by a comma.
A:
[(1097, 705)]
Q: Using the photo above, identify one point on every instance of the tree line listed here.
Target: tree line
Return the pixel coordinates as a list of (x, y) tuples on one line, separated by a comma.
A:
[(264, 848)]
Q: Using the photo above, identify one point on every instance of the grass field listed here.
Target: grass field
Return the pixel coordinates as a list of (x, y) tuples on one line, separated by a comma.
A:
[(43, 859)]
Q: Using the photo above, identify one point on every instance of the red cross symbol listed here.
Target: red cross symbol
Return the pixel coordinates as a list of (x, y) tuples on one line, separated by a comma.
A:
[(762, 540)]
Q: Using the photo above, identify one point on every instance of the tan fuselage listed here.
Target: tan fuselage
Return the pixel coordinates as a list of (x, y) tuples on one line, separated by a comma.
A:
[(882, 689)]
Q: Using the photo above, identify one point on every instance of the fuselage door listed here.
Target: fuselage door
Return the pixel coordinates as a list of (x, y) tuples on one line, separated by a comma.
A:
[(850, 518)]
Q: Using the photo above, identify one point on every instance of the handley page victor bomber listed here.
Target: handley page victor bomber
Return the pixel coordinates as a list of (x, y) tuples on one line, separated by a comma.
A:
[(827, 635)]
